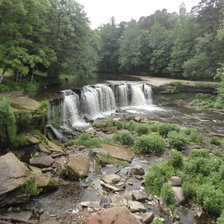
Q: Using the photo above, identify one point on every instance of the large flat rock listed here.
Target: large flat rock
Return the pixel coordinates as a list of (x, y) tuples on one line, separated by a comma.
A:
[(12, 173), (115, 151), (78, 165), (116, 215)]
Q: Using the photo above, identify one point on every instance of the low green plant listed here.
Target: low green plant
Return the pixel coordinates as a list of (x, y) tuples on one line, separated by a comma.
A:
[(4, 88), (193, 135), (105, 159), (132, 125), (86, 140), (178, 85), (215, 140), (189, 189), (167, 194), (124, 138), (165, 128), (157, 222), (177, 140), (23, 121), (175, 159), (118, 124), (220, 220), (149, 143), (142, 129), (30, 188), (195, 153), (153, 126)]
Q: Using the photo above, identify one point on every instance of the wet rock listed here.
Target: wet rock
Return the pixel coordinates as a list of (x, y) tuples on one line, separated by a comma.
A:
[(115, 151), (111, 178), (110, 187), (118, 215), (179, 194), (147, 217), (32, 139), (118, 200), (90, 205), (175, 181), (137, 170), (136, 206), (96, 184), (78, 166), (139, 195), (13, 173), (42, 161)]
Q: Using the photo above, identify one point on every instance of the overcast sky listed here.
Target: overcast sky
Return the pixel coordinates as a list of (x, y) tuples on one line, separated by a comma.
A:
[(100, 11)]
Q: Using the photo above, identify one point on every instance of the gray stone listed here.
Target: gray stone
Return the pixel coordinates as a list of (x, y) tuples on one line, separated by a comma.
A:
[(118, 200), (111, 178), (42, 161), (147, 217), (136, 206), (137, 170), (179, 194), (111, 187), (139, 195), (13, 173), (175, 181), (90, 205)]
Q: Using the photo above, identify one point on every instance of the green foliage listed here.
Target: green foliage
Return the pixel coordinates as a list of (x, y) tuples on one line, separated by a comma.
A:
[(211, 198), (124, 138), (157, 222), (220, 220), (149, 143), (118, 124), (30, 188), (197, 153), (193, 135), (154, 126), (165, 128), (176, 159), (86, 140), (132, 125), (4, 88), (108, 159), (142, 129), (178, 85), (23, 121), (167, 194), (7, 123), (189, 189), (177, 140), (215, 140)]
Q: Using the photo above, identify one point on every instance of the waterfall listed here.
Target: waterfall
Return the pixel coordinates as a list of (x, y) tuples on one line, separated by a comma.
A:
[(96, 101), (138, 97)]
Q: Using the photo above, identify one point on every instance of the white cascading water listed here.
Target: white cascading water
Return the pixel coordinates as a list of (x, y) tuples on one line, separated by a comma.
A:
[(122, 93), (138, 97), (148, 93), (70, 109)]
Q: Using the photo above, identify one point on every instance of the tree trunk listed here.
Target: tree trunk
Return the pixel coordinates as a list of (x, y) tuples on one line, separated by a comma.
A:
[(2, 76)]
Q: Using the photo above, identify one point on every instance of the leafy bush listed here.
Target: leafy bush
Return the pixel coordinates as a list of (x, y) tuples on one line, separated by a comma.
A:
[(86, 140), (142, 129), (19, 141), (31, 188), (210, 198), (118, 124), (156, 177), (23, 121), (124, 138), (177, 140), (132, 125), (195, 153), (157, 222), (154, 126), (215, 141), (7, 123), (4, 88), (175, 159), (165, 128), (193, 135), (189, 189), (167, 194), (149, 143), (220, 220)]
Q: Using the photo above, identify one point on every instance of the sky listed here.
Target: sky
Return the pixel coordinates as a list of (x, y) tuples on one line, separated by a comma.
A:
[(100, 11)]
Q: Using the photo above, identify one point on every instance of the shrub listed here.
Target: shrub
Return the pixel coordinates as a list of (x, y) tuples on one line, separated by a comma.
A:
[(157, 222), (167, 194), (153, 127), (220, 220), (4, 88), (118, 124), (30, 188), (150, 143), (7, 123), (165, 128), (189, 189), (124, 138), (215, 140), (210, 198), (175, 159), (142, 129), (199, 153), (177, 140), (193, 135), (23, 121), (132, 125), (86, 140)]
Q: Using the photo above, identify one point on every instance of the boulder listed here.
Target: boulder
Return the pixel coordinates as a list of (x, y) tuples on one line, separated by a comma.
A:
[(136, 206), (179, 194), (13, 173), (118, 200), (137, 170), (111, 178), (115, 151), (90, 205), (139, 195), (118, 215), (78, 165), (175, 181), (42, 161), (147, 217)]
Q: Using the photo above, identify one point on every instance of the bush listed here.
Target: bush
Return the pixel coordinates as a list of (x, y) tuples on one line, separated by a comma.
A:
[(30, 188), (157, 222), (154, 126), (132, 125), (118, 124), (175, 159), (142, 129), (4, 88), (215, 141), (177, 140), (7, 123), (149, 143), (193, 135), (124, 138), (86, 140), (195, 153), (220, 220), (167, 194), (189, 189), (210, 198), (23, 121), (165, 128)]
